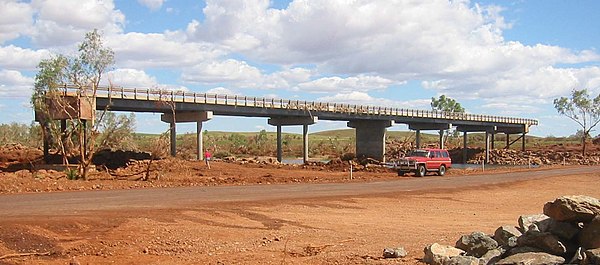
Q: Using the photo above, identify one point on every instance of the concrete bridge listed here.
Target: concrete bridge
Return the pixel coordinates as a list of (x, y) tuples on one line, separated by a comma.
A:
[(370, 122)]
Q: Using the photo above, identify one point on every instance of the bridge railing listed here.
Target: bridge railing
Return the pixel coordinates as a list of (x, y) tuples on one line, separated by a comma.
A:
[(272, 103)]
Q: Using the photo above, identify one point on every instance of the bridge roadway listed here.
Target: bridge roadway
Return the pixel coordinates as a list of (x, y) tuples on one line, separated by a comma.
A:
[(370, 122)]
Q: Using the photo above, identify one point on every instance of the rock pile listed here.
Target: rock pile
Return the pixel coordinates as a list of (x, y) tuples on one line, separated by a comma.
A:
[(549, 157), (114, 159), (567, 233)]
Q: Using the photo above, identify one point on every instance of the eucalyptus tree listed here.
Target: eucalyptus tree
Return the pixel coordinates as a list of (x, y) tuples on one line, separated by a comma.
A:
[(582, 109)]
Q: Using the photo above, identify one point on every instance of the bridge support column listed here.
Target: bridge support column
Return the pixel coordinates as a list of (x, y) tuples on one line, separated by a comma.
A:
[(279, 144), (418, 127), (289, 121), (304, 143), (464, 152), (173, 136), (197, 116), (487, 148), (523, 142), (492, 140), (370, 138), (199, 141), (507, 141)]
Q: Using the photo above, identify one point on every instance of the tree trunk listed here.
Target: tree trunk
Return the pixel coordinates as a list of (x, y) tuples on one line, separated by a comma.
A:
[(584, 143)]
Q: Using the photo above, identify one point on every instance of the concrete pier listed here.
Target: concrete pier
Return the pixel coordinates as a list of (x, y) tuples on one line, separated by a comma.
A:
[(293, 121), (418, 127), (370, 137), (196, 116)]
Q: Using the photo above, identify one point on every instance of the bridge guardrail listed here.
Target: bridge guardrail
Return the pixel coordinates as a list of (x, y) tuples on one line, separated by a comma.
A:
[(257, 102)]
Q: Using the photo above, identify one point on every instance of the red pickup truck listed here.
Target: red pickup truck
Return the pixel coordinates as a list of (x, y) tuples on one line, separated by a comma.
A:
[(421, 161)]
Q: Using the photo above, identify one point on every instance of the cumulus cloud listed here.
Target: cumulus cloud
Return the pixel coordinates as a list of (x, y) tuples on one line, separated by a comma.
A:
[(537, 83), (362, 98), (64, 22), (14, 84), (338, 84), (455, 47), (15, 19), (230, 70), (151, 4), (221, 91), (167, 50), (243, 75), (130, 78), (17, 58), (133, 78)]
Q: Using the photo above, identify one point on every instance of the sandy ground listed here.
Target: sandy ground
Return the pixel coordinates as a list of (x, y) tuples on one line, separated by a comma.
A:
[(350, 229)]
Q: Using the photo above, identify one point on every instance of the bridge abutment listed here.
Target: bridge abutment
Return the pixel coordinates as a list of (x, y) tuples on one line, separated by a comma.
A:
[(370, 137), (280, 121), (196, 116)]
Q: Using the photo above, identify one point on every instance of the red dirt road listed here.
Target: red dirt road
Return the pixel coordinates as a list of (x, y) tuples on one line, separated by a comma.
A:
[(329, 223)]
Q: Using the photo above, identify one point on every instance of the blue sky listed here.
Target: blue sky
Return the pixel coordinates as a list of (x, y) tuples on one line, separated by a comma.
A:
[(508, 58)]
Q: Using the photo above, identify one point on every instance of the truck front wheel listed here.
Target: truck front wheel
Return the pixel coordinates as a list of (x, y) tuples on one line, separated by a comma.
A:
[(442, 170), (421, 171)]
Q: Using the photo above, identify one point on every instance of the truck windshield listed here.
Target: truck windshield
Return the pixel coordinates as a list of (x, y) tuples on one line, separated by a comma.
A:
[(421, 153)]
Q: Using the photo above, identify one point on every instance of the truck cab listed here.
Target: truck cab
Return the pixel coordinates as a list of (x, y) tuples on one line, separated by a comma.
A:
[(421, 161)]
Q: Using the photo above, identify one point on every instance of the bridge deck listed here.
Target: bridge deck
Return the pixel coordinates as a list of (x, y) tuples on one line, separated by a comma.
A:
[(152, 100)]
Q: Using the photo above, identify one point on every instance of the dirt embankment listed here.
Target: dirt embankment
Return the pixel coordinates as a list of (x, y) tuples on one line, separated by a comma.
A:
[(22, 170)]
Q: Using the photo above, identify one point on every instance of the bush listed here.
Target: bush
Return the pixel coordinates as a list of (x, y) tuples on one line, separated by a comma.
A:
[(72, 174), (221, 154), (348, 156)]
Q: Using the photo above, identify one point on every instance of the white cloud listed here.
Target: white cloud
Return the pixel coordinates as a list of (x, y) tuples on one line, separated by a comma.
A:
[(139, 50), (133, 78), (151, 4), (221, 91), (242, 75), (64, 22), (17, 58), (15, 19), (230, 70), (338, 84), (529, 84), (14, 84), (232, 23), (515, 107), (130, 78), (361, 98), (456, 47)]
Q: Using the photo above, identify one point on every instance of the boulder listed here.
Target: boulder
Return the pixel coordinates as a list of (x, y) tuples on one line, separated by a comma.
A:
[(589, 238), (541, 221), (399, 252), (576, 208), (476, 244), (531, 258), (579, 257), (564, 230), (517, 250), (592, 256), (491, 257), (462, 260), (436, 254), (547, 242), (503, 234)]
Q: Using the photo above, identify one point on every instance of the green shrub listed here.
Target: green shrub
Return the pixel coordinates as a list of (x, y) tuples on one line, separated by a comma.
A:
[(72, 174)]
